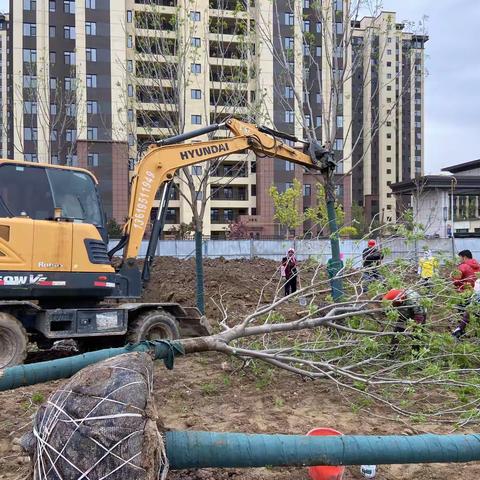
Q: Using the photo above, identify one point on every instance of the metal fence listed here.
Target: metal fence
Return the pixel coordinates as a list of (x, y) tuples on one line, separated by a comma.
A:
[(317, 249)]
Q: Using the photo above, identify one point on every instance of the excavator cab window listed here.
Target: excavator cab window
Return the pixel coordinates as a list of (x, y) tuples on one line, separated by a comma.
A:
[(35, 192)]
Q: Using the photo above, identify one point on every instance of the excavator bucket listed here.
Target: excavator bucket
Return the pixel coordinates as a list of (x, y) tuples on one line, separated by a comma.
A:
[(193, 324)]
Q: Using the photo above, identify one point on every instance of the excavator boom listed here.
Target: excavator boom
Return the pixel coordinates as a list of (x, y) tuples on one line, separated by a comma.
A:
[(161, 162)]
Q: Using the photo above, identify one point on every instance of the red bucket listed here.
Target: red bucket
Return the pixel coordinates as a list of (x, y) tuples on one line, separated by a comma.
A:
[(324, 472)]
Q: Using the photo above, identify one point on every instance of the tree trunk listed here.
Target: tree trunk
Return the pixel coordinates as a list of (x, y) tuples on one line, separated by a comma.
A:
[(199, 270)]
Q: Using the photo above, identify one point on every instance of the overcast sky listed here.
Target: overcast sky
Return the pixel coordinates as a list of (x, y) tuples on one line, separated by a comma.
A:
[(452, 116)]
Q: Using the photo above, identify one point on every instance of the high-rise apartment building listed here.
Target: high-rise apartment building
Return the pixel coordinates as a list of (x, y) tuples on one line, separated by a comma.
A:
[(66, 83), (388, 116), (94, 82)]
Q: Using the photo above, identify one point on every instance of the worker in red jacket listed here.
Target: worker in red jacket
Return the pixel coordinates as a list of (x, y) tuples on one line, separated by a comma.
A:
[(464, 280)]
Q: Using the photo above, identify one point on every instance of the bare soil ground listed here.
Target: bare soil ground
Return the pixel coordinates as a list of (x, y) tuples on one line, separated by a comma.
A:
[(209, 392)]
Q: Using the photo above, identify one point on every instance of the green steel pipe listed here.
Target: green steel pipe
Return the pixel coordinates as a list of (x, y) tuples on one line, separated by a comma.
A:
[(336, 263), (199, 272), (22, 375), (239, 450)]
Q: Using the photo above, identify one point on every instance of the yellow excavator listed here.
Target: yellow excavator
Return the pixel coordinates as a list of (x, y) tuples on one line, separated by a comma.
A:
[(56, 275)]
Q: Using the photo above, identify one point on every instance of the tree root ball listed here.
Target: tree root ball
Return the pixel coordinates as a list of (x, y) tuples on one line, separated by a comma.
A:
[(102, 423)]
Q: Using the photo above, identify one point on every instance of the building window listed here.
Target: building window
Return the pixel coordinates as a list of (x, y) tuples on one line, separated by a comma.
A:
[(70, 135), (289, 116), (196, 119), (306, 3), (253, 190), (53, 83), (318, 51), (389, 39), (29, 4), (69, 32), (339, 28), (389, 124), (30, 134), (30, 81), (52, 6), (54, 159), (388, 171), (90, 28), (131, 139), (71, 110), (306, 25), (196, 68), (306, 50), (289, 92), (30, 108), (92, 160), (71, 160), (92, 81), (307, 190), (195, 16), (92, 107), (289, 166), (318, 121), (29, 29), (389, 76), (389, 51), (196, 170), (389, 147), (318, 27), (389, 88), (130, 115), (308, 120), (389, 100), (339, 121), (52, 31), (53, 135), (196, 94), (69, 83), (130, 90), (389, 64), (53, 109), (389, 135), (69, 7), (129, 16), (130, 65), (289, 18), (389, 159), (91, 54), (92, 133), (69, 58), (29, 56), (32, 157), (90, 4), (288, 42), (338, 145), (129, 41), (196, 41)]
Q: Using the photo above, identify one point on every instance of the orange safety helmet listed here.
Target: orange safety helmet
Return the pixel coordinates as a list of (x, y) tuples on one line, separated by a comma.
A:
[(395, 295)]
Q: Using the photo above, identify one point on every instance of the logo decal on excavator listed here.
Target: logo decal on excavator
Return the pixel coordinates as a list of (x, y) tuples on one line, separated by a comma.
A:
[(145, 191), (200, 152), (22, 279)]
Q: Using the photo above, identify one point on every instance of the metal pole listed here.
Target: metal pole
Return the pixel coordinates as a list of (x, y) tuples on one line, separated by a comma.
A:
[(335, 264), (239, 450), (199, 272), (452, 216)]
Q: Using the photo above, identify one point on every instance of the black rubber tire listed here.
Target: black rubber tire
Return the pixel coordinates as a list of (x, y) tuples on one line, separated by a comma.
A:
[(13, 341), (153, 325)]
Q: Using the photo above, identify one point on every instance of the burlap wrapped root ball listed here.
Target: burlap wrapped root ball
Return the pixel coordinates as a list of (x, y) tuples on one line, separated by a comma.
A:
[(103, 423)]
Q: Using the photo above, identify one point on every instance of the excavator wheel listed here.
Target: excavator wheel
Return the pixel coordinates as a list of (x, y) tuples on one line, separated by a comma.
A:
[(153, 325), (13, 341)]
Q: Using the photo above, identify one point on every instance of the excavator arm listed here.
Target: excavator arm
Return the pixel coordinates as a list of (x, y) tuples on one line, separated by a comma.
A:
[(160, 163)]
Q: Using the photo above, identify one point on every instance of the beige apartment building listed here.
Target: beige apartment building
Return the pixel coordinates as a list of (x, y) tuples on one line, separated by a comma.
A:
[(94, 82)]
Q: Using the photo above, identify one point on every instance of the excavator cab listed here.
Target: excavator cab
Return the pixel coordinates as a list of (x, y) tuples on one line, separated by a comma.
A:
[(53, 240)]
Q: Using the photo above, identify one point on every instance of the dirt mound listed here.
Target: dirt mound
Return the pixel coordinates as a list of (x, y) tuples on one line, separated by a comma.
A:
[(236, 284)]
